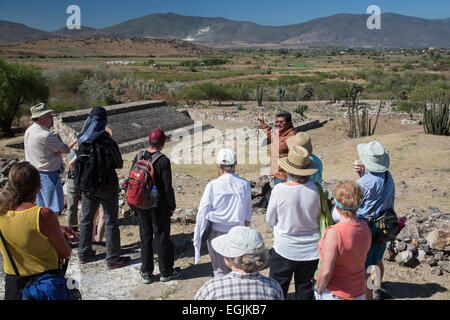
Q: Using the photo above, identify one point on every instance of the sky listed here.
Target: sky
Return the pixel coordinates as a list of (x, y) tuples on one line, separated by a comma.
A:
[(51, 15)]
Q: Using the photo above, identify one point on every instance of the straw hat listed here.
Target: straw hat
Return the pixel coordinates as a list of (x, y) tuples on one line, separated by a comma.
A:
[(301, 139), (297, 162)]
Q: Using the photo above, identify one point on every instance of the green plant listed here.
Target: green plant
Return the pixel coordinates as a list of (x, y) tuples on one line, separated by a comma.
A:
[(301, 110), (306, 93), (281, 93), (96, 91), (19, 85), (259, 94), (436, 116)]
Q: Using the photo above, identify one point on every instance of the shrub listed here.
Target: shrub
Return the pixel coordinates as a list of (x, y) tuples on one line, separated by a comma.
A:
[(96, 91), (19, 85)]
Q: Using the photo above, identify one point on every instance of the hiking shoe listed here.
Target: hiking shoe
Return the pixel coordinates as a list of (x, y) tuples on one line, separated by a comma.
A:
[(381, 294), (147, 277), (175, 274), (118, 263), (87, 258)]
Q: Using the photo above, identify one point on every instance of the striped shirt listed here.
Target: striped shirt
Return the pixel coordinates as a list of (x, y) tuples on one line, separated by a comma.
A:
[(240, 286)]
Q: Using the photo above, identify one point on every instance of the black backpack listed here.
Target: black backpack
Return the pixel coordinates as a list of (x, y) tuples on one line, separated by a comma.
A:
[(91, 167)]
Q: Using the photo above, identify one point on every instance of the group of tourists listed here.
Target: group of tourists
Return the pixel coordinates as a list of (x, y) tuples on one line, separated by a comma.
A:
[(325, 264)]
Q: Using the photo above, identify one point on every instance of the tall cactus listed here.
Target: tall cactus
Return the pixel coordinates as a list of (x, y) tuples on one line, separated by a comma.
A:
[(436, 116), (281, 92), (259, 94)]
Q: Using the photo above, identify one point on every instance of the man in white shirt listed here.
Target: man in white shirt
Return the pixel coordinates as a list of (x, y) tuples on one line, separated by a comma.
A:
[(43, 150), (226, 202)]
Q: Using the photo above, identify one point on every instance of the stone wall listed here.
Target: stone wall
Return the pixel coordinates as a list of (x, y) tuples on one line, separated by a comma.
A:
[(130, 123)]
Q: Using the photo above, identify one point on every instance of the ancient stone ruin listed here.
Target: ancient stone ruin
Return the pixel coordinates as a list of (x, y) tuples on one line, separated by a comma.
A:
[(130, 123)]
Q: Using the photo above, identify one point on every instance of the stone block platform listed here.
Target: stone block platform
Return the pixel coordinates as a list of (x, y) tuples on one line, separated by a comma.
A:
[(130, 123)]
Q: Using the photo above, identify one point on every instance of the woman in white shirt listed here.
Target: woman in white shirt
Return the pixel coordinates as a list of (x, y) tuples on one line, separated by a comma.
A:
[(294, 212), (226, 202)]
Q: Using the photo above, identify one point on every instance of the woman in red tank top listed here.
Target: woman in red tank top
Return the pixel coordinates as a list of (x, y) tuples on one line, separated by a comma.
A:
[(343, 249)]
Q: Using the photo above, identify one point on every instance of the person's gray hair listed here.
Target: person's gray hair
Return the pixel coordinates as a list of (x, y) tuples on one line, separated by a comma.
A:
[(250, 262), (226, 167), (299, 179)]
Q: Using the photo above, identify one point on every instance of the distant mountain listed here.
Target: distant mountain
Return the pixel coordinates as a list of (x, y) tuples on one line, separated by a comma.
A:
[(341, 30), (11, 32), (83, 32)]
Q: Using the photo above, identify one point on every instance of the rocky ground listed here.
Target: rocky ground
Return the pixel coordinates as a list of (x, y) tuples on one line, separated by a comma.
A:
[(416, 263)]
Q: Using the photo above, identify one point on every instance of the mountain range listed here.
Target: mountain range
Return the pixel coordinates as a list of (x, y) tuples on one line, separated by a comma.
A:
[(340, 30)]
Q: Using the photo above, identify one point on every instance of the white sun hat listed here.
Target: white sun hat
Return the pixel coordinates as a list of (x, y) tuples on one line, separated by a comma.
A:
[(238, 241), (373, 156)]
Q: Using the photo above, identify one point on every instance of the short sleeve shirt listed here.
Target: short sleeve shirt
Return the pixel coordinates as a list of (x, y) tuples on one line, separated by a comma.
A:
[(378, 194), (41, 147)]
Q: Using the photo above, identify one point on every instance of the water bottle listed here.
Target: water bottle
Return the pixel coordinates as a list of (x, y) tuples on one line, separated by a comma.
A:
[(154, 195)]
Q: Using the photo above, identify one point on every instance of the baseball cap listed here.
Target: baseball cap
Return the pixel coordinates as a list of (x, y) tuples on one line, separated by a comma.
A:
[(157, 135), (238, 241), (226, 157)]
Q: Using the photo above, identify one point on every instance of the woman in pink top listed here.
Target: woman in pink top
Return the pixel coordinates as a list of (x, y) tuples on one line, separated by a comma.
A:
[(343, 249)]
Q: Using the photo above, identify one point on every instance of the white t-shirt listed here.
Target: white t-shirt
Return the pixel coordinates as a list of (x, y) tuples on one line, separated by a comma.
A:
[(294, 213), (41, 147)]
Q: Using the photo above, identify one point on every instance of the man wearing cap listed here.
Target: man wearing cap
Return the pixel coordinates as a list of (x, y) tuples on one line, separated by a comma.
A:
[(43, 150), (245, 254), (279, 148), (378, 189), (226, 202), (157, 221)]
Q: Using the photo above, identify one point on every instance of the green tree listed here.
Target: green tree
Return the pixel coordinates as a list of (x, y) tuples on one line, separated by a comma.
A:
[(19, 85)]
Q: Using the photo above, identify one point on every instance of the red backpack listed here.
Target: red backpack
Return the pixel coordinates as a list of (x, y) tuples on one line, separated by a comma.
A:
[(141, 180)]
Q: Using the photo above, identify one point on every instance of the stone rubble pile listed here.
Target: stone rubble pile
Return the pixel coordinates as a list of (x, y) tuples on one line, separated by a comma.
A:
[(5, 166)]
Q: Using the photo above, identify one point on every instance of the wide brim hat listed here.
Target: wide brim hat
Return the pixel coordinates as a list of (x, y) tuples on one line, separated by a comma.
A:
[(301, 139), (240, 240), (39, 110), (298, 162), (373, 156)]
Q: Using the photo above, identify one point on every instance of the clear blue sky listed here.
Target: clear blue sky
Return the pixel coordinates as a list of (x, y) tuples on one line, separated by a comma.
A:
[(51, 15)]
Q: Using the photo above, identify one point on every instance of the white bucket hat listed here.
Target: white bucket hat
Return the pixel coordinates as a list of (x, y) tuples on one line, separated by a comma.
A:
[(226, 157), (238, 241), (373, 156)]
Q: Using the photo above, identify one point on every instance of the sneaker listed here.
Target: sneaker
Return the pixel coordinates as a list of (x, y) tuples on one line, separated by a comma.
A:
[(147, 277), (381, 294), (87, 258), (175, 274), (118, 263)]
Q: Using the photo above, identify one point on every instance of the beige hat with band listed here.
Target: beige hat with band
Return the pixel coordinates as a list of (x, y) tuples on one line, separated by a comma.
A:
[(298, 163), (39, 110), (301, 139)]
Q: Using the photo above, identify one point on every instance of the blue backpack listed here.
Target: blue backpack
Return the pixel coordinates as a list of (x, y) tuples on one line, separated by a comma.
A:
[(49, 287)]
